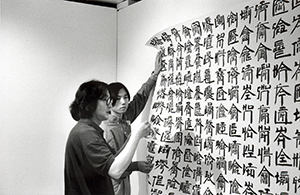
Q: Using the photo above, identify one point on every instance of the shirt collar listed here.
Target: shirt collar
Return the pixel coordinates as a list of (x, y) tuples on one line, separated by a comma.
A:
[(114, 119)]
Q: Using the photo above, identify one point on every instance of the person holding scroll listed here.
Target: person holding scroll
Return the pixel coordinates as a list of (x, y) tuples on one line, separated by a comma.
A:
[(118, 126), (90, 163)]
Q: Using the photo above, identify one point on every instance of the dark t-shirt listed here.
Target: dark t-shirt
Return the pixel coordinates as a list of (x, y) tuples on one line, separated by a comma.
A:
[(88, 158)]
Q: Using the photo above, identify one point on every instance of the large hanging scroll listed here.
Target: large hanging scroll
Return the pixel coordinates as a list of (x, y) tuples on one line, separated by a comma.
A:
[(226, 107)]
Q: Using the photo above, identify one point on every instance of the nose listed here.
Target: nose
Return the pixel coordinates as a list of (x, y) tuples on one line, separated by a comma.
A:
[(122, 100)]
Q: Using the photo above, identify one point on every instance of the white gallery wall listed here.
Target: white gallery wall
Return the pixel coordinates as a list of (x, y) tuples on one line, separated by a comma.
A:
[(48, 48)]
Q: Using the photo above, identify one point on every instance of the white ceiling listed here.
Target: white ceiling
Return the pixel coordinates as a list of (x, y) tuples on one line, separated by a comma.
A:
[(118, 4)]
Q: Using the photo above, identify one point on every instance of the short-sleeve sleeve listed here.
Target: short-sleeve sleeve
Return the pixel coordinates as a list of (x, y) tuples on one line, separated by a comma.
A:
[(98, 152)]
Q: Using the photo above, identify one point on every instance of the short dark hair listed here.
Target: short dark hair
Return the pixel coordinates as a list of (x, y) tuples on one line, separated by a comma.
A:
[(86, 98), (114, 89)]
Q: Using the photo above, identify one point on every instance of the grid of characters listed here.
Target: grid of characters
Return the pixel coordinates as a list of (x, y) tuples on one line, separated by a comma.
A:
[(226, 106)]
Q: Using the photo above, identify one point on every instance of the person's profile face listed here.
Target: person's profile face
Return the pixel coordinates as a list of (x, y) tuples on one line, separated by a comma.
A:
[(102, 111)]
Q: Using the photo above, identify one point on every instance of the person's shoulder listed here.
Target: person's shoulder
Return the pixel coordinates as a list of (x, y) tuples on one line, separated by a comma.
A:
[(83, 128), (83, 134), (85, 131)]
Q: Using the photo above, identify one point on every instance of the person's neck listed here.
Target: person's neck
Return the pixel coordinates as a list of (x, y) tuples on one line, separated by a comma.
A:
[(116, 114), (98, 122)]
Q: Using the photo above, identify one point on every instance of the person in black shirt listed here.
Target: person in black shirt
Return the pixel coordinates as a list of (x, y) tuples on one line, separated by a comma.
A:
[(90, 162)]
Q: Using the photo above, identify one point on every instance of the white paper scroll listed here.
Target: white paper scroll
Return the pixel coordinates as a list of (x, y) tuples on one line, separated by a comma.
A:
[(226, 107)]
